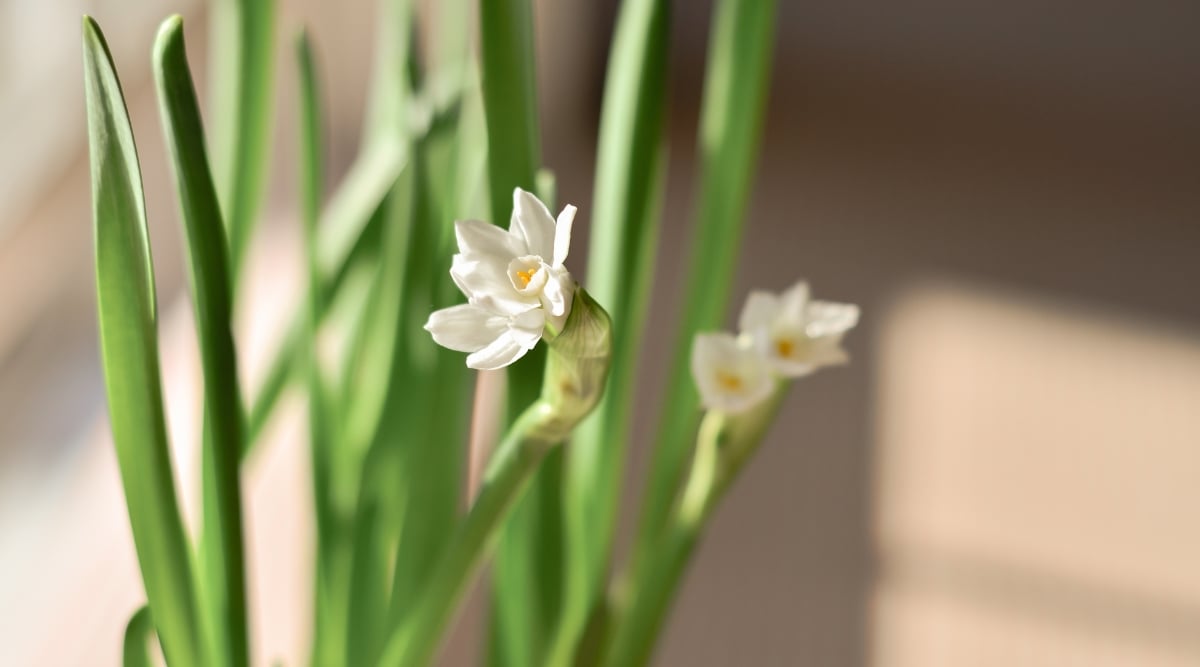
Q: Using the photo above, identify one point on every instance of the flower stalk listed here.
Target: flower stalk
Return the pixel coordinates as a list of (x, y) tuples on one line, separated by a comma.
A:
[(735, 92), (577, 364), (723, 446)]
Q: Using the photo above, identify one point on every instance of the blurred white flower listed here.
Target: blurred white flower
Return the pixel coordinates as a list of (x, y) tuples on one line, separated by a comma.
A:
[(515, 282), (729, 372), (795, 334)]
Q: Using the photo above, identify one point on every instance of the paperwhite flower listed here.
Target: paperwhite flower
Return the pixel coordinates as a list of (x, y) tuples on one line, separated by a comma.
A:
[(515, 282), (730, 373), (796, 335)]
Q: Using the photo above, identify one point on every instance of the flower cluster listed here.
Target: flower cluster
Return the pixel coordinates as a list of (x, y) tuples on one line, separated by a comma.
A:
[(516, 285), (782, 336)]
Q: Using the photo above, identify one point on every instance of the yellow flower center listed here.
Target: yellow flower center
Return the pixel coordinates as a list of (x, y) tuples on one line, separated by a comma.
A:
[(729, 381), (526, 276), (785, 347)]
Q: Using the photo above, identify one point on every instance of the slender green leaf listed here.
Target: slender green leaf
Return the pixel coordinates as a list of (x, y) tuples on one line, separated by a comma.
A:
[(514, 155), (510, 100), (735, 93), (357, 214), (312, 178), (390, 91), (129, 350), (222, 548), (242, 46), (625, 224), (363, 461), (347, 217), (139, 633)]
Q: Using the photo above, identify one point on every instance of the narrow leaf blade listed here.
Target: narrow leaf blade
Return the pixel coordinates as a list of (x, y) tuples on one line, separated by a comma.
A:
[(129, 350), (222, 546), (139, 632)]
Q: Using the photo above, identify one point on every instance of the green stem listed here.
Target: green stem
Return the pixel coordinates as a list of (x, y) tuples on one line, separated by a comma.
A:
[(731, 120), (723, 446), (512, 466), (625, 225), (576, 374)]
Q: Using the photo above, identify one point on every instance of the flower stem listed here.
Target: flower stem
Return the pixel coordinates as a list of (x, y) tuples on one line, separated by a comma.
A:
[(513, 465), (626, 215), (735, 92), (576, 373), (723, 446)]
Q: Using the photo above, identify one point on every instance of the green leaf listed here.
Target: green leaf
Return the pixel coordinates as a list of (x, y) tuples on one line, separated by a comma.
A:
[(735, 92), (387, 106), (129, 350), (514, 155), (139, 632), (242, 47), (362, 464), (348, 233), (312, 178), (625, 227), (222, 545), (510, 100)]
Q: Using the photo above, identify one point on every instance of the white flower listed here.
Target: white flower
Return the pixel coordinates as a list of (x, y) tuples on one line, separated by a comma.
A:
[(795, 335), (730, 373), (515, 282)]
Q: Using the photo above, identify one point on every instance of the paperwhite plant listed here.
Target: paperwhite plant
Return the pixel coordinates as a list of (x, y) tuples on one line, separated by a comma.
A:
[(515, 283), (782, 336)]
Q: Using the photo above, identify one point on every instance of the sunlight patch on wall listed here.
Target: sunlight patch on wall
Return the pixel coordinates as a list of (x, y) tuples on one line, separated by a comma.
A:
[(1037, 486)]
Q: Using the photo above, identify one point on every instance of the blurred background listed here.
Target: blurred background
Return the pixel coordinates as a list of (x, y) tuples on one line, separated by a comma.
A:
[(1007, 474)]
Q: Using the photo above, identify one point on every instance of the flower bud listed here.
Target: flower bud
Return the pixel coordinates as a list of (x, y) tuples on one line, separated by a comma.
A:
[(577, 365)]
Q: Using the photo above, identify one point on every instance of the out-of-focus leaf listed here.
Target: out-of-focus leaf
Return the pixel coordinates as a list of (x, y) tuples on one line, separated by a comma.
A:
[(625, 224), (129, 350), (243, 40), (312, 177), (139, 632)]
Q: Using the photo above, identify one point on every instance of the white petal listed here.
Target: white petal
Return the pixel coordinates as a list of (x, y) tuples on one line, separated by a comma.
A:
[(804, 355), (562, 235), (730, 376), (829, 352), (532, 223), (826, 318), (558, 292), (528, 327), (483, 238), (487, 283), (500, 353), (709, 350), (465, 328), (759, 313), (793, 301)]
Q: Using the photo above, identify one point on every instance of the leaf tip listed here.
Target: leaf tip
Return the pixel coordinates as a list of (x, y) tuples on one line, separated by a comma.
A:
[(168, 40)]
